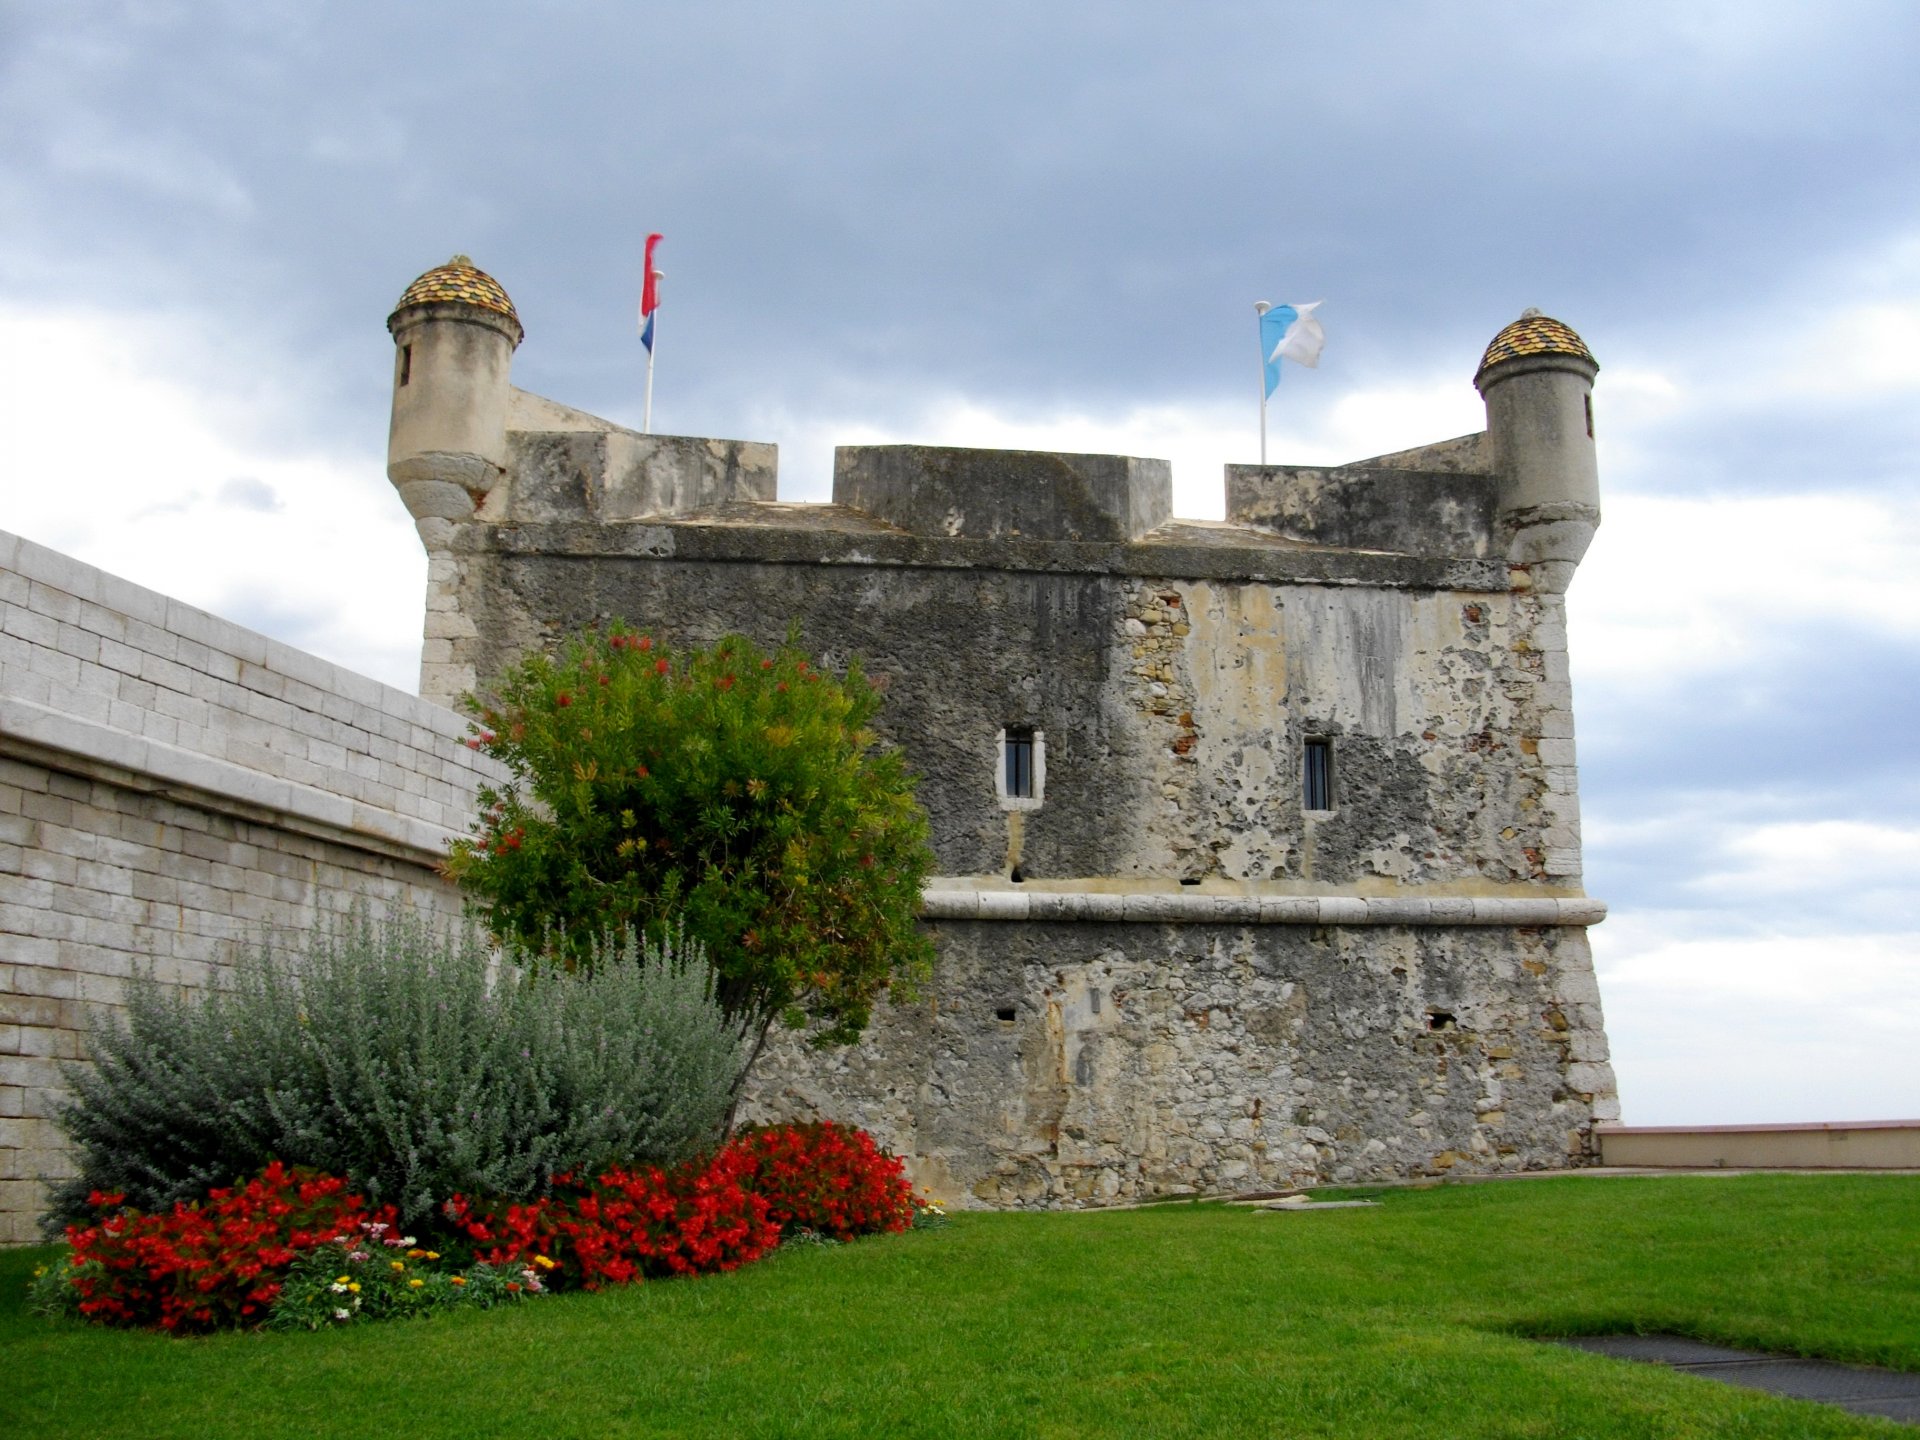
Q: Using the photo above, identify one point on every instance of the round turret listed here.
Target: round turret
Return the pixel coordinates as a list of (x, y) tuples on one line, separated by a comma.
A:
[(1537, 381), (454, 333)]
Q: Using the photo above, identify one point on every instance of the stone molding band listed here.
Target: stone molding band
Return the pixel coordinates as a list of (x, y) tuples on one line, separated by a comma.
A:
[(945, 901)]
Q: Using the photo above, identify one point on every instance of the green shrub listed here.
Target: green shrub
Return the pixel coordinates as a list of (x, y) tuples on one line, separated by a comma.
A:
[(741, 794), (408, 1059)]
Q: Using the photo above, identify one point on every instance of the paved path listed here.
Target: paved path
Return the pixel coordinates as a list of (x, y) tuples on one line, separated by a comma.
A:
[(1889, 1394)]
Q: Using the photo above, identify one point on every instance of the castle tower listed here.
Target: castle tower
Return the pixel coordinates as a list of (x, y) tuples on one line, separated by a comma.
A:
[(1537, 381), (454, 334)]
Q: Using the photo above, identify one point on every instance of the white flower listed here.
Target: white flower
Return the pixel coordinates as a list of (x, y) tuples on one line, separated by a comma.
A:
[(342, 1314), (337, 1288)]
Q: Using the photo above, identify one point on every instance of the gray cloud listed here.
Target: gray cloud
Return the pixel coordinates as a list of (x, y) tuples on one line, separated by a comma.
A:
[(1012, 202)]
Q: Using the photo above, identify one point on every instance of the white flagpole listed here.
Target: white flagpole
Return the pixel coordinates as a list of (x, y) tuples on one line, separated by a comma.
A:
[(1261, 307), (646, 418)]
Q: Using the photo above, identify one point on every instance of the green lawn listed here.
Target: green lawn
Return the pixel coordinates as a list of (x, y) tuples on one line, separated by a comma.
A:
[(1183, 1320)]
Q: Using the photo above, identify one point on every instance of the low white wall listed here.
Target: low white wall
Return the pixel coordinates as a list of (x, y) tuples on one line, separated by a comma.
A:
[(1834, 1145), (170, 782)]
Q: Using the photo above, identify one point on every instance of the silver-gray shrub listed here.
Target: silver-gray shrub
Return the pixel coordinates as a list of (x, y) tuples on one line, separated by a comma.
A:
[(408, 1059)]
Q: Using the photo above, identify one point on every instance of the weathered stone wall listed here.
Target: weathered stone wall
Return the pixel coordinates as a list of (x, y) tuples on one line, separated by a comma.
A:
[(1204, 984), (1069, 1063), (169, 783), (1174, 709)]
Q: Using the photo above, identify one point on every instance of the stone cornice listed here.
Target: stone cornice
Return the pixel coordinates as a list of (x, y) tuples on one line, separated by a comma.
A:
[(1152, 558)]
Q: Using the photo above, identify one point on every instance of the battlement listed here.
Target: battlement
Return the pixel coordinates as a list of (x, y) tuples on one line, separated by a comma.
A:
[(1515, 505)]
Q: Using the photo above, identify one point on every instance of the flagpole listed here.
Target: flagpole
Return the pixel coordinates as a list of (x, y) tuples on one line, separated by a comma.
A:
[(646, 418), (649, 330), (1260, 307)]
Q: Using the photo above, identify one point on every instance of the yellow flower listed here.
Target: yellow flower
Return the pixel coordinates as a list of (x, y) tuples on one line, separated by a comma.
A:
[(353, 1288), (416, 1284), (433, 1254), (343, 1280), (399, 1264), (458, 1279), (543, 1262)]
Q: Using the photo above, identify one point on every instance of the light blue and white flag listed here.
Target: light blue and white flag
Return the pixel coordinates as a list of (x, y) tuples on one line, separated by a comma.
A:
[(1290, 332)]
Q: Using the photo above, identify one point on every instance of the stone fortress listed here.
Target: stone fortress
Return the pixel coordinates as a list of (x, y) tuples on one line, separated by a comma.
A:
[(1257, 841)]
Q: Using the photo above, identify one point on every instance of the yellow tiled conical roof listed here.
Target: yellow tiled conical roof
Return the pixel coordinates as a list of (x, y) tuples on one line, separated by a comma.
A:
[(462, 282), (1536, 334)]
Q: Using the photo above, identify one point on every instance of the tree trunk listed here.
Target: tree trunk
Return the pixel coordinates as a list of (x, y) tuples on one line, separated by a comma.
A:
[(740, 1083)]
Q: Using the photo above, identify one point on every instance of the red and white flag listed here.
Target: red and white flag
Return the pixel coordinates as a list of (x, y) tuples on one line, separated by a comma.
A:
[(649, 296)]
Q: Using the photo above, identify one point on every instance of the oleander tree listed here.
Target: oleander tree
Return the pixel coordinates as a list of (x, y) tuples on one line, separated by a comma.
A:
[(741, 795)]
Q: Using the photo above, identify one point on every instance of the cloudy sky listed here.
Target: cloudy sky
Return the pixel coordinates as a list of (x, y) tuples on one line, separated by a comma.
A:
[(1044, 226)]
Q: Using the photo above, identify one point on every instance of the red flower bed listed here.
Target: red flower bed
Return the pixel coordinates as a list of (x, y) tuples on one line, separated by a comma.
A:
[(827, 1178), (216, 1263), (626, 1224), (223, 1261)]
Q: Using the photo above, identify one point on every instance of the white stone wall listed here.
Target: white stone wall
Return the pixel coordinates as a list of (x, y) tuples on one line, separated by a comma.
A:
[(170, 782)]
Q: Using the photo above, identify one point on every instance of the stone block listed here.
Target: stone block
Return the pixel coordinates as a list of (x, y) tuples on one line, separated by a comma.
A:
[(61, 605), (1289, 910), (1004, 494), (1576, 986), (1555, 752), (1366, 507), (1398, 911), (1002, 905), (1342, 910), (40, 631), (82, 644), (1591, 1078), (1588, 1045)]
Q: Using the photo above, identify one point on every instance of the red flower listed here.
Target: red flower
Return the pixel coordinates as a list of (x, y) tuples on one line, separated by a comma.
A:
[(563, 699), (209, 1264), (660, 666)]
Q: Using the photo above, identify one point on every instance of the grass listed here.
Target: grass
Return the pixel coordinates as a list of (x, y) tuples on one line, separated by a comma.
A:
[(1187, 1320)]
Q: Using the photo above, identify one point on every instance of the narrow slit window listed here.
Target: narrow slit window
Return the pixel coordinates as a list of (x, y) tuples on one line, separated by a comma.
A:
[(1020, 767), (1317, 775), (1019, 764), (406, 363)]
